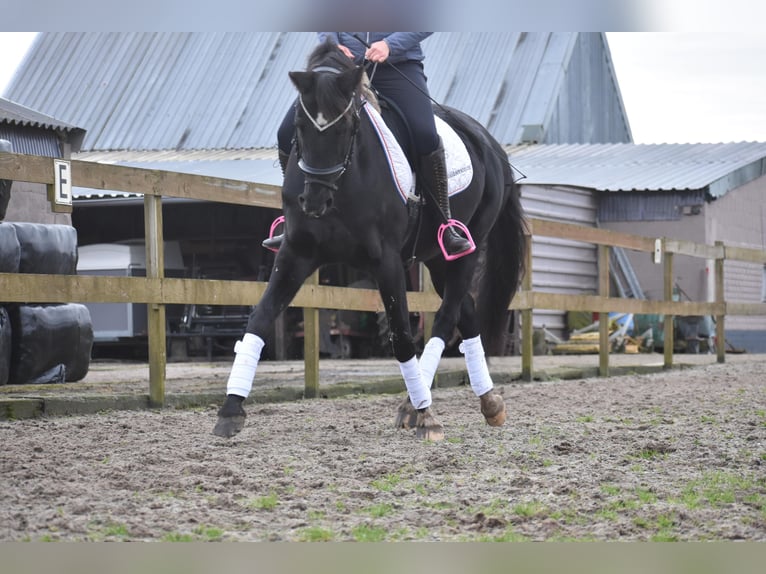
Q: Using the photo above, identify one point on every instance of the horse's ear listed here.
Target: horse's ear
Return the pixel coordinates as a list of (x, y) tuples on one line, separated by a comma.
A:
[(350, 79), (303, 81)]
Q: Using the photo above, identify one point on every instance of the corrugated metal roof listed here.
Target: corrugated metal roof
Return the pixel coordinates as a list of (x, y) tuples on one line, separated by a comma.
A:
[(210, 91), (16, 114), (32, 132), (649, 167)]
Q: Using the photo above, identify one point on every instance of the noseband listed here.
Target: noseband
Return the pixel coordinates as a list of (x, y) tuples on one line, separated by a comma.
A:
[(317, 175)]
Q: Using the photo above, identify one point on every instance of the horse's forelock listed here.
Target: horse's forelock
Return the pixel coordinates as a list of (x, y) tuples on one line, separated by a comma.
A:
[(328, 54), (326, 90)]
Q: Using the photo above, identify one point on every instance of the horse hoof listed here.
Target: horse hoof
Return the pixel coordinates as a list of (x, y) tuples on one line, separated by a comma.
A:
[(406, 415), (227, 427), (427, 427), (493, 409), (231, 417)]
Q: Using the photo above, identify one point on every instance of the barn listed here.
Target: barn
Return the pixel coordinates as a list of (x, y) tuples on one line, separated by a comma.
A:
[(210, 103)]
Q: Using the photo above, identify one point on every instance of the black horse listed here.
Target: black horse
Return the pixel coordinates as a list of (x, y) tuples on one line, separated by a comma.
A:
[(341, 205)]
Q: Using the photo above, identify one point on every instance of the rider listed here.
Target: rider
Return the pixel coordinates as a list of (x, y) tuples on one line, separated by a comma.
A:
[(405, 84)]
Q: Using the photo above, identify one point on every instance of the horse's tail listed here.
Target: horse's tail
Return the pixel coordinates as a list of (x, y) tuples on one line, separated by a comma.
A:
[(504, 266)]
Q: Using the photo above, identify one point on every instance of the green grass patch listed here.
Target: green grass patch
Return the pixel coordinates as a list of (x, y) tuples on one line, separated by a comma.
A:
[(387, 483), (209, 533), (268, 502), (645, 496), (610, 490), (316, 534), (116, 531), (379, 510), (365, 533), (528, 509), (177, 537)]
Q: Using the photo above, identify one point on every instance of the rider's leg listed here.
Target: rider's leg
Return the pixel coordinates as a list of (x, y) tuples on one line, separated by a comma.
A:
[(275, 242), (434, 171), (285, 136)]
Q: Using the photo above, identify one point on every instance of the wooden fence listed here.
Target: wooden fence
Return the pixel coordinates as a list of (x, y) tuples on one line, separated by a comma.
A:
[(158, 291)]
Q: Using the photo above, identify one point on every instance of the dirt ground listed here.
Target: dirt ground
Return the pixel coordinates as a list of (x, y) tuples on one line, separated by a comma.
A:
[(678, 455)]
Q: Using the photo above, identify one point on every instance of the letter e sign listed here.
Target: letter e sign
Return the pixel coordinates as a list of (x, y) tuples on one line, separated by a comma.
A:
[(63, 182)]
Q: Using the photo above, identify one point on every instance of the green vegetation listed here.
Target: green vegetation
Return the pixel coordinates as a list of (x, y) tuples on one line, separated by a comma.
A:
[(365, 533), (268, 502), (315, 534)]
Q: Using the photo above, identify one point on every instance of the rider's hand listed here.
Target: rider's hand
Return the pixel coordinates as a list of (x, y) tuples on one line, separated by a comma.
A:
[(346, 51), (377, 52)]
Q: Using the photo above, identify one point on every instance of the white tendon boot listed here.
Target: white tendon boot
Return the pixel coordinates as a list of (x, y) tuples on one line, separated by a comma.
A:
[(476, 364), (247, 354), (419, 392), (429, 360)]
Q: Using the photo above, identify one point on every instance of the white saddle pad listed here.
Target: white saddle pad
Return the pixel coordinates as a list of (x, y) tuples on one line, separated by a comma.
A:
[(459, 168)]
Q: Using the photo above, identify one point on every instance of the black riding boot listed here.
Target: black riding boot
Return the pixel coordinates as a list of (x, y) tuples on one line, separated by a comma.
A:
[(434, 172), (274, 243)]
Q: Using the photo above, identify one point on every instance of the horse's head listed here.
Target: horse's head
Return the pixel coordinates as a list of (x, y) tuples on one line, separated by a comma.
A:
[(326, 121)]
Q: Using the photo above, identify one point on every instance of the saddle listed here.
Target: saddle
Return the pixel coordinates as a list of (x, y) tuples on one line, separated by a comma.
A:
[(397, 142)]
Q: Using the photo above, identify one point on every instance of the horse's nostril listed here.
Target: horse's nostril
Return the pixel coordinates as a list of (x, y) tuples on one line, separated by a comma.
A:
[(328, 203), (301, 200)]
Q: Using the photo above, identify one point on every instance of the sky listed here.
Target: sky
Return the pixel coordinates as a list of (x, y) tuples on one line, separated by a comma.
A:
[(677, 87)]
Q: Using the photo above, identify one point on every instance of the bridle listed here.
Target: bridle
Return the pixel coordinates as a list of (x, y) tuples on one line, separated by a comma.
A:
[(318, 175)]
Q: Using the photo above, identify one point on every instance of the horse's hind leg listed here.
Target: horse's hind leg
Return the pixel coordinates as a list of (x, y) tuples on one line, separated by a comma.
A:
[(492, 404), (392, 286)]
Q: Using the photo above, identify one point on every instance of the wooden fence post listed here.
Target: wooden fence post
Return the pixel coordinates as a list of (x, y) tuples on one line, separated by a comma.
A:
[(155, 269), (527, 328), (603, 316), (311, 345), (720, 333), (667, 257)]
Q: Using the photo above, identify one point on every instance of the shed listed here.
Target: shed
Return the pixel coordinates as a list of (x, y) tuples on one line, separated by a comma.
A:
[(697, 192)]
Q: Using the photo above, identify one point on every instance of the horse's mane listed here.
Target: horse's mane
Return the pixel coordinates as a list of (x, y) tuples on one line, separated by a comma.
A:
[(327, 93)]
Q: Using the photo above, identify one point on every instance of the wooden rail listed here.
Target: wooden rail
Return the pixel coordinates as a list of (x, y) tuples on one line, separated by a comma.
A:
[(158, 291)]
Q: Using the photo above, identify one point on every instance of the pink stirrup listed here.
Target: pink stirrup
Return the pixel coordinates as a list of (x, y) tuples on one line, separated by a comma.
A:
[(440, 238), (274, 224)]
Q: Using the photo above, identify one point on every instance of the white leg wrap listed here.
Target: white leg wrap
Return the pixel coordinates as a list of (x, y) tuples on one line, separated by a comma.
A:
[(478, 373), (247, 353), (420, 393), (429, 360)]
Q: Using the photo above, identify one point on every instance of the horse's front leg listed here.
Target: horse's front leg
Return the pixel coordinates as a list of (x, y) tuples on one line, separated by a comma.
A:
[(287, 277), (393, 292)]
